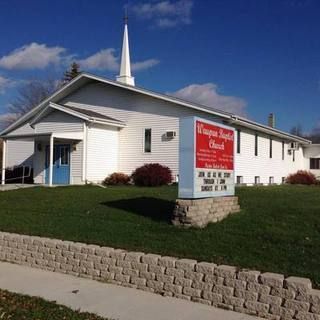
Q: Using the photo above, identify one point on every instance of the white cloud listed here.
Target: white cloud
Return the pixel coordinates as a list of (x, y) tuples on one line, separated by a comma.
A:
[(207, 95), (40, 56), (5, 84), (165, 14), (106, 59), (32, 56), (143, 65)]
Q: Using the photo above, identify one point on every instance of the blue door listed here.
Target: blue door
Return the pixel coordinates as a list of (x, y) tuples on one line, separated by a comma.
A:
[(61, 164)]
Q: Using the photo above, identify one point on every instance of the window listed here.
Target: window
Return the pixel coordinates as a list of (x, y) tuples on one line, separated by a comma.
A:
[(283, 179), (294, 155), (64, 156), (238, 140), (282, 150), (270, 148), (315, 163), (256, 180), (239, 179), (271, 180), (256, 145), (147, 140)]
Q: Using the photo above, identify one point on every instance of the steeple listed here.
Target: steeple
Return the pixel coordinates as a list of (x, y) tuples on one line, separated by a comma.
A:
[(125, 67)]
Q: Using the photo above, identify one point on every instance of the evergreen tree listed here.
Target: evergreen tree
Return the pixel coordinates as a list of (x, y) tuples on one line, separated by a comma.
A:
[(71, 73)]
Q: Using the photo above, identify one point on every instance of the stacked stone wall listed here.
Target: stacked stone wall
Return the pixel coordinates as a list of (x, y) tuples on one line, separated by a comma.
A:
[(200, 212), (267, 295)]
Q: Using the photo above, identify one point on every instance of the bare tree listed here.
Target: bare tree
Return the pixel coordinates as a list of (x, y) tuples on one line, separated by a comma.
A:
[(297, 130), (30, 95)]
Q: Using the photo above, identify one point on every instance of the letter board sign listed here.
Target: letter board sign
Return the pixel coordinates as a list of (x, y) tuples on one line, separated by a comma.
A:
[(206, 159)]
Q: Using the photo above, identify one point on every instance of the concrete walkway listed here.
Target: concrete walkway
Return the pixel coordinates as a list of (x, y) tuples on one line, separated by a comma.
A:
[(106, 300), (12, 186)]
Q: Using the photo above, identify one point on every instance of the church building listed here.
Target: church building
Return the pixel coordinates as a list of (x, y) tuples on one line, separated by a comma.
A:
[(94, 126)]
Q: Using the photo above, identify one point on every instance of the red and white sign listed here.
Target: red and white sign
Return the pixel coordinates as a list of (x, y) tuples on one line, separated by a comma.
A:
[(214, 146), (206, 159)]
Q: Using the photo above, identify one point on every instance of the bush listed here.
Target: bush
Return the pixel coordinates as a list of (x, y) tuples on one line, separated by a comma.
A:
[(152, 175), (117, 178), (302, 177)]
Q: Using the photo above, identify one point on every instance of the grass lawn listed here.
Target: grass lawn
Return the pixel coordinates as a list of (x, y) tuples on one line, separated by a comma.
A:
[(278, 229), (20, 307)]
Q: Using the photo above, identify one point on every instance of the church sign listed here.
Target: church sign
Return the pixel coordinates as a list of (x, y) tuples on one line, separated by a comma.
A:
[(206, 159)]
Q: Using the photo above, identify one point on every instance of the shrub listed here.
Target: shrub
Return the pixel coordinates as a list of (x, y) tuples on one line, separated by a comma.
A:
[(302, 177), (117, 178), (152, 175)]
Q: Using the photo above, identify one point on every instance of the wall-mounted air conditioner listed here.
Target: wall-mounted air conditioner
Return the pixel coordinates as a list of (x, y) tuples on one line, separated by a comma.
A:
[(170, 134), (293, 146)]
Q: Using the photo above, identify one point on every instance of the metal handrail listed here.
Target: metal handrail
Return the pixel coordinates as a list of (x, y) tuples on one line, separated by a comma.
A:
[(23, 173)]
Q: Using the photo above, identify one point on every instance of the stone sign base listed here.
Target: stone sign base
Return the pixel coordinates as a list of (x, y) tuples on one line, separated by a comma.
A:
[(200, 212)]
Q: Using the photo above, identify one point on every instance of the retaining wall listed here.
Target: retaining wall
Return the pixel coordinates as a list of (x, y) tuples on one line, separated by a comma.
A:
[(266, 295)]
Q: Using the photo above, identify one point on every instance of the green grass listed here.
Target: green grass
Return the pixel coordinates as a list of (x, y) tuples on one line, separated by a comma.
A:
[(20, 307), (278, 229)]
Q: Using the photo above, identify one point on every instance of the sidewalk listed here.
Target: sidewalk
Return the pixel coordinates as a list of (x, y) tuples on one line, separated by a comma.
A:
[(106, 300)]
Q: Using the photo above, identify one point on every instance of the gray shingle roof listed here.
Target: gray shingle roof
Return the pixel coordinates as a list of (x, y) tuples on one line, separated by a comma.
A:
[(92, 114)]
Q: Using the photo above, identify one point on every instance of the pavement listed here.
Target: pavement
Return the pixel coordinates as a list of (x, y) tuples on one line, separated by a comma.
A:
[(12, 186), (106, 300)]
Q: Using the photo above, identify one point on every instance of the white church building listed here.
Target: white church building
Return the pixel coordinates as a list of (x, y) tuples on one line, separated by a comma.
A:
[(94, 126)]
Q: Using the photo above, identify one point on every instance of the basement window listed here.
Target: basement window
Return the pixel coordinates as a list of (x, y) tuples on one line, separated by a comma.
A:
[(239, 179), (256, 180), (147, 140)]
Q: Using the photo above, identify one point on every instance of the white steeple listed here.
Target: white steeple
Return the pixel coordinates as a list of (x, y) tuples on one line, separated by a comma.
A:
[(125, 67)]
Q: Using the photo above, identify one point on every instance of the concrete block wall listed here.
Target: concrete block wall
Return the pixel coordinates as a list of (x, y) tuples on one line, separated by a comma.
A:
[(267, 295), (199, 212)]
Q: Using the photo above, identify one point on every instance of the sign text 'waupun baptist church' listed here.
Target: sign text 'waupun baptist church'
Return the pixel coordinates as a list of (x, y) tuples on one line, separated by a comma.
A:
[(206, 159)]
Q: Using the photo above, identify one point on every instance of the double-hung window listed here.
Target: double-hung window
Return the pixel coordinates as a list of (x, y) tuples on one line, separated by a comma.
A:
[(238, 140), (256, 144)]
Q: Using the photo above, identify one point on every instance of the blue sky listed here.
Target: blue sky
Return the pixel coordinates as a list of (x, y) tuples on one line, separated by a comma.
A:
[(246, 56)]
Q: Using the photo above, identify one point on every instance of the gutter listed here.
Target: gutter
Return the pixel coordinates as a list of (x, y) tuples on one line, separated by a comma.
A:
[(254, 125)]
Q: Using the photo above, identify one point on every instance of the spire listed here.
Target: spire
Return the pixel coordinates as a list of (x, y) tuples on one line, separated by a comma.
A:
[(125, 67)]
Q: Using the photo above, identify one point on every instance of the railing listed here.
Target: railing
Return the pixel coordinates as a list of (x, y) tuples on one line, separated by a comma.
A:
[(21, 174)]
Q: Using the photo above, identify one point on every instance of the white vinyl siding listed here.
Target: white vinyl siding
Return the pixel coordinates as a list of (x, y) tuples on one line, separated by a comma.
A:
[(250, 166), (19, 152), (139, 112), (24, 129), (58, 121), (102, 152), (76, 151), (39, 163)]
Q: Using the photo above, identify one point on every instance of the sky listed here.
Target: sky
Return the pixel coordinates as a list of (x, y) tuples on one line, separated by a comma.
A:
[(249, 57)]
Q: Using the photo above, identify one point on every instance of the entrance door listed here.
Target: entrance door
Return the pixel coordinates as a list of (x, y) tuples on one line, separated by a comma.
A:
[(61, 164)]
